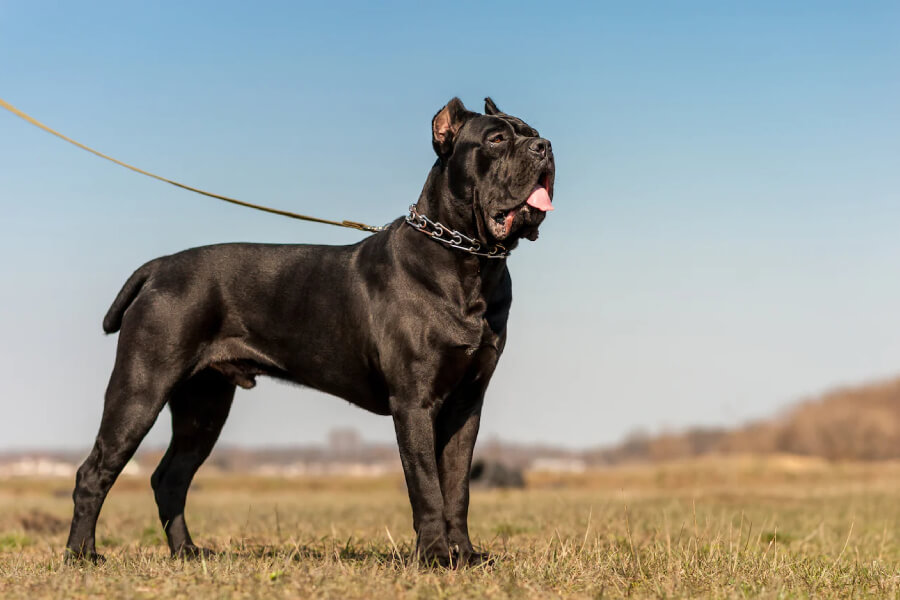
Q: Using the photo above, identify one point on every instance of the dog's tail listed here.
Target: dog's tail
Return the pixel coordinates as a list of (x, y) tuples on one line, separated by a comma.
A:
[(113, 319)]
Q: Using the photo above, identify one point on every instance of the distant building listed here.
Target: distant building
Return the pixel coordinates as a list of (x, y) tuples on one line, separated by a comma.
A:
[(37, 467), (43, 466)]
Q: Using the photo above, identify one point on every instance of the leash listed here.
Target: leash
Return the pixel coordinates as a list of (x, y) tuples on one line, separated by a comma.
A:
[(275, 211)]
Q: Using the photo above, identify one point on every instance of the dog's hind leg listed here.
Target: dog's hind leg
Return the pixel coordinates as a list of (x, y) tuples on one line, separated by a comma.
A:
[(133, 401), (199, 408)]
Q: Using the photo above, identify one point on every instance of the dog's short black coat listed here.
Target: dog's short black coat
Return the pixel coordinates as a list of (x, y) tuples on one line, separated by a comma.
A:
[(398, 324)]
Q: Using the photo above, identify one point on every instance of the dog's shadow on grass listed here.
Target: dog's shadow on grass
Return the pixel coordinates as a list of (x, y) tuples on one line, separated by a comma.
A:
[(323, 553), (395, 558)]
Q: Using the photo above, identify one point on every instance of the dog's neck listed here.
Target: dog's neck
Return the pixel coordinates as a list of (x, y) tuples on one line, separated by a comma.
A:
[(438, 203)]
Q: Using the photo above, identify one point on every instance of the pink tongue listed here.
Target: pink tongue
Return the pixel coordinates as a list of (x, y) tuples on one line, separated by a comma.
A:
[(540, 199)]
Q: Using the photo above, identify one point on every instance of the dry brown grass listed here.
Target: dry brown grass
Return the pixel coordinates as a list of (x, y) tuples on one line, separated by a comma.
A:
[(779, 527)]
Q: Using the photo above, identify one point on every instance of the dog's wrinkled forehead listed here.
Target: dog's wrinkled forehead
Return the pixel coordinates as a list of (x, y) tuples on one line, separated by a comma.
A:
[(518, 125), (492, 115), (521, 127), (483, 123)]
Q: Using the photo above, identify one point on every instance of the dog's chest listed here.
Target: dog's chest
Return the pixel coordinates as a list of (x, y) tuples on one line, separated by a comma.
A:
[(466, 365), (485, 355), (488, 315)]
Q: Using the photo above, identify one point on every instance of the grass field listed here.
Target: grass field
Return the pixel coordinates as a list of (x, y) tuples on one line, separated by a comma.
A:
[(748, 527)]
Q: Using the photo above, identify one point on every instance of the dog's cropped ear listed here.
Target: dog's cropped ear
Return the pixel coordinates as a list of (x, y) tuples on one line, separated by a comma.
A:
[(446, 125), (491, 109)]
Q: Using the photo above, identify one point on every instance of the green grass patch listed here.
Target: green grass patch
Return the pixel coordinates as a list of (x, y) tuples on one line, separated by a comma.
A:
[(14, 541)]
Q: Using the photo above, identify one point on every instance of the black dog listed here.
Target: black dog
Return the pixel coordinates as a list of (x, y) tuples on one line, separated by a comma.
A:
[(401, 324)]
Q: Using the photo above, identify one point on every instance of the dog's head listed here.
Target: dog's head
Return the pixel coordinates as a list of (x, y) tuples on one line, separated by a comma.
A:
[(499, 165)]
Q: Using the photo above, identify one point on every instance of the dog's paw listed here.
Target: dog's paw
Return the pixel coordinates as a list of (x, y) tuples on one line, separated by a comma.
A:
[(435, 554), (192, 552), (434, 560), (464, 556), (78, 557)]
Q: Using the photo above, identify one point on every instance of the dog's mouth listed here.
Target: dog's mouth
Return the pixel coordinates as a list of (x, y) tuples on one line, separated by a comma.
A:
[(539, 201)]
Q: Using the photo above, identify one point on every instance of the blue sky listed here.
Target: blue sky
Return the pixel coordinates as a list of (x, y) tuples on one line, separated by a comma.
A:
[(728, 192)]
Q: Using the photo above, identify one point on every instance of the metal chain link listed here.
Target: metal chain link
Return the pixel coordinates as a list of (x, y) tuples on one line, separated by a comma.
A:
[(436, 231)]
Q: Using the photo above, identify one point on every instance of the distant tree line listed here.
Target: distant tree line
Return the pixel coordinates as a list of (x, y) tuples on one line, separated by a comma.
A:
[(861, 423)]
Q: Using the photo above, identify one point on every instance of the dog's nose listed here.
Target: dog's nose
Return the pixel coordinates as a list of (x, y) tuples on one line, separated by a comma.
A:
[(540, 147)]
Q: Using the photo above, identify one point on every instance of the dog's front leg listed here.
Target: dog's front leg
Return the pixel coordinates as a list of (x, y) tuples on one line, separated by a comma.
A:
[(457, 429), (414, 423)]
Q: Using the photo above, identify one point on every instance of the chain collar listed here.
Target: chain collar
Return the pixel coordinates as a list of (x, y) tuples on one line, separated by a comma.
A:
[(451, 237)]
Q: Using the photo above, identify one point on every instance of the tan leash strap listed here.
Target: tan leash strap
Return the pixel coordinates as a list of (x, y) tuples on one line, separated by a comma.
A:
[(276, 211)]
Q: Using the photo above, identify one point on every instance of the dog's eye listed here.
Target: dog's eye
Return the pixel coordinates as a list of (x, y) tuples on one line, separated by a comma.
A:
[(497, 138)]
